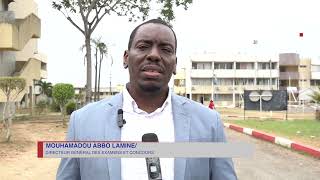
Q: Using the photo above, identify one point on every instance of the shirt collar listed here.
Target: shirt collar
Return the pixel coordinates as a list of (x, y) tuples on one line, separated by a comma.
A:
[(130, 106)]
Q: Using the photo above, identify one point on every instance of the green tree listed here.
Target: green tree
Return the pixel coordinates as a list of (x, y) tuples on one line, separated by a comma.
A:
[(62, 94), (11, 88), (91, 12)]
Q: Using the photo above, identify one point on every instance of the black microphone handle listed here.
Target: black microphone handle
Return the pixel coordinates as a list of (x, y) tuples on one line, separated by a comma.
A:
[(154, 168), (153, 163)]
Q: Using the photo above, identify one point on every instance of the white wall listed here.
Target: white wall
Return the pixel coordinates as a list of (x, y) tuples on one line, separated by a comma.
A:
[(23, 8)]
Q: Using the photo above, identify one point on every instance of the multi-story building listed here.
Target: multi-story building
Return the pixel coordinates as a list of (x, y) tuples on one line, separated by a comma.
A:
[(309, 86), (179, 84), (315, 74), (296, 75), (224, 78), (20, 28)]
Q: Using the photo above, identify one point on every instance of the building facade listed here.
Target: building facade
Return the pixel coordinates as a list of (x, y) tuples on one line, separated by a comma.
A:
[(179, 83), (20, 27), (224, 78)]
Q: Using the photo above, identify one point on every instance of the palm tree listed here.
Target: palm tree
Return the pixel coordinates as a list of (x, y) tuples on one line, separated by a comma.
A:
[(46, 88), (101, 49), (96, 44), (84, 57), (315, 96)]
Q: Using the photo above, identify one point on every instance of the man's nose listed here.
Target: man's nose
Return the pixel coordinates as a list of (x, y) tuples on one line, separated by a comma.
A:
[(154, 54)]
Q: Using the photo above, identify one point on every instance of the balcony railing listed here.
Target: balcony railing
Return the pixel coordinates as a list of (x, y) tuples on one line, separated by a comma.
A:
[(201, 73), (315, 75), (228, 89)]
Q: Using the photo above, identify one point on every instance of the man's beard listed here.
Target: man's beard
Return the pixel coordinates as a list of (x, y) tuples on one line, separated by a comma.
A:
[(150, 88)]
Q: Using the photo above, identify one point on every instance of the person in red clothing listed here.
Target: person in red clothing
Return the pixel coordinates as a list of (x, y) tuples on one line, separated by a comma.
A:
[(211, 105)]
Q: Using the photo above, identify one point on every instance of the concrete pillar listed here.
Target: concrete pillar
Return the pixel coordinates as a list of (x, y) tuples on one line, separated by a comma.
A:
[(31, 100)]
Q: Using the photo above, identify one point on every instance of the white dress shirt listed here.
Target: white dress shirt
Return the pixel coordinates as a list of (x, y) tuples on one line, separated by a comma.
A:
[(139, 122)]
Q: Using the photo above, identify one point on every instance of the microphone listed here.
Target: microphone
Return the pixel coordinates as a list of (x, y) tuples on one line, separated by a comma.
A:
[(120, 121), (153, 163)]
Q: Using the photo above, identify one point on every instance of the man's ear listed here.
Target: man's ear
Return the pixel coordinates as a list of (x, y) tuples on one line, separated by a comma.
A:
[(175, 68), (125, 59)]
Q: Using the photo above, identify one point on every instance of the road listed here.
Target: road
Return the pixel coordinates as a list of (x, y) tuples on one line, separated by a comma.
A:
[(273, 162), (270, 162)]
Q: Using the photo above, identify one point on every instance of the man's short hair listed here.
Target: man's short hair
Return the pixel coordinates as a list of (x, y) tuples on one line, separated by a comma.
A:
[(154, 21)]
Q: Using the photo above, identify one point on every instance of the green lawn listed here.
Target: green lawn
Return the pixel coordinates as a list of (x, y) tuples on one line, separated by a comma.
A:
[(305, 130)]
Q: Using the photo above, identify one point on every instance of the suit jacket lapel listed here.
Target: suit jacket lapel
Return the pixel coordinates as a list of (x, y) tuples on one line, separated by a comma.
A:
[(182, 132), (113, 133)]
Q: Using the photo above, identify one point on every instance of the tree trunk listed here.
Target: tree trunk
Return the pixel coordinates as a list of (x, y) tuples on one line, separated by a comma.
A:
[(62, 114), (89, 70), (4, 112), (7, 121), (101, 58), (9, 124), (95, 75), (4, 122)]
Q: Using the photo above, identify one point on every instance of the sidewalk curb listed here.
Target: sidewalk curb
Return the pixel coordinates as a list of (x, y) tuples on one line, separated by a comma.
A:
[(276, 140)]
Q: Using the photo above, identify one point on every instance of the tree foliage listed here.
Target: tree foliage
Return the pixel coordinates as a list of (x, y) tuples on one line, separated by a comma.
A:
[(91, 12), (62, 94), (70, 107), (11, 88), (46, 88), (316, 96)]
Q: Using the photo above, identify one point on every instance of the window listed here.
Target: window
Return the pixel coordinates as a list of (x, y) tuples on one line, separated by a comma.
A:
[(43, 66), (244, 81), (315, 82), (245, 65), (223, 97), (194, 65), (201, 65), (266, 65), (224, 81), (223, 65), (303, 66), (201, 81), (207, 97)]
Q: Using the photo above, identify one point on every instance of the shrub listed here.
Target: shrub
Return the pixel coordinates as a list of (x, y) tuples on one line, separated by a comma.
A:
[(54, 107), (62, 93), (70, 107), (41, 106)]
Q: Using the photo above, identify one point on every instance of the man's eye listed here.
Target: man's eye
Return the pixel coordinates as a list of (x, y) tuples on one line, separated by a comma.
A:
[(167, 50), (142, 47)]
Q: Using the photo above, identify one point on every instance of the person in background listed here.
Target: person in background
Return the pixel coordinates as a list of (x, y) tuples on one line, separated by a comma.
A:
[(211, 105)]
